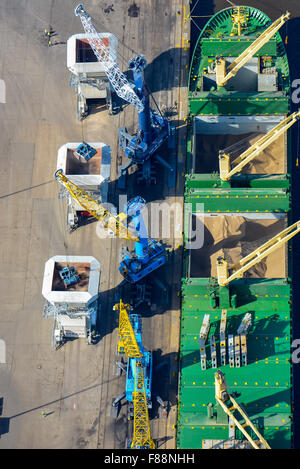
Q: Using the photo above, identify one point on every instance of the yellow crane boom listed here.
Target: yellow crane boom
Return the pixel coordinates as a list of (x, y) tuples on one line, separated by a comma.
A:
[(227, 169), (222, 396), (126, 332), (223, 74), (115, 223), (256, 256), (141, 428)]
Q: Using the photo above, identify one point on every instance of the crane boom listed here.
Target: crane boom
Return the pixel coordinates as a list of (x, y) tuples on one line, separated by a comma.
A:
[(116, 77), (222, 396), (227, 169), (126, 331), (114, 223), (256, 256), (141, 428), (224, 75)]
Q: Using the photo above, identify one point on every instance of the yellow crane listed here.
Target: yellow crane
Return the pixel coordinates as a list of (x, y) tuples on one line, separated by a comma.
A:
[(128, 341), (223, 73), (256, 256), (141, 426), (223, 398), (116, 223), (228, 169)]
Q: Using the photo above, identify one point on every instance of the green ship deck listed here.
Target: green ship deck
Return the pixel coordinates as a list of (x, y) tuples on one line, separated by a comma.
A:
[(247, 107), (249, 92), (263, 387)]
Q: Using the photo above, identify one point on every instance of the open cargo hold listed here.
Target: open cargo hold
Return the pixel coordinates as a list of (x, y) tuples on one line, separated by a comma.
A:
[(235, 236), (236, 134)]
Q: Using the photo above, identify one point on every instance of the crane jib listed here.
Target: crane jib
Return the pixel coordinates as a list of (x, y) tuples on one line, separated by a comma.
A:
[(114, 74)]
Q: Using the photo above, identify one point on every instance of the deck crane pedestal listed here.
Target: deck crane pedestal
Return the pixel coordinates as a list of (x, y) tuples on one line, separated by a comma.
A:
[(223, 73), (230, 406), (228, 169), (149, 254), (138, 379), (153, 128)]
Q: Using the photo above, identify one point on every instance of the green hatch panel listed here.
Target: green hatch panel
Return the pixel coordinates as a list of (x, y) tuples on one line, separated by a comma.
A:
[(263, 386), (237, 200), (238, 103), (202, 181), (233, 47)]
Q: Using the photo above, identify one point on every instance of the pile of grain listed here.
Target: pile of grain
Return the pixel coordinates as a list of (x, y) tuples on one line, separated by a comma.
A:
[(234, 237)]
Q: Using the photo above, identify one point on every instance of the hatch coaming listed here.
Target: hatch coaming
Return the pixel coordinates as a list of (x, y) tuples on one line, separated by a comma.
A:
[(236, 134)]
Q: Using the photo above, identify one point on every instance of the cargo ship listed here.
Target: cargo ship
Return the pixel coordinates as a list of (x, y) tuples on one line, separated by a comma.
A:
[(235, 372)]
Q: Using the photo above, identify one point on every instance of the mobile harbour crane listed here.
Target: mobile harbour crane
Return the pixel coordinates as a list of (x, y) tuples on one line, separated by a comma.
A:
[(153, 128), (149, 254)]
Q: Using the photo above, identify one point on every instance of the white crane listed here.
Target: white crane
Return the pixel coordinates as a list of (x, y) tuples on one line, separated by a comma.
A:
[(116, 77)]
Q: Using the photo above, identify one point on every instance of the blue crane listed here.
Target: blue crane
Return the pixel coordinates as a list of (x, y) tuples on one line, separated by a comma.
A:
[(148, 255), (153, 128)]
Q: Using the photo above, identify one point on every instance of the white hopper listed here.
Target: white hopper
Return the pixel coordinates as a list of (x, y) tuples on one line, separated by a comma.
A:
[(81, 59), (82, 293), (88, 175)]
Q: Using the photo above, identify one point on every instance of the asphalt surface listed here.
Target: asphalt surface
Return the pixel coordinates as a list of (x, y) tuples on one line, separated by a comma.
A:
[(74, 385)]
